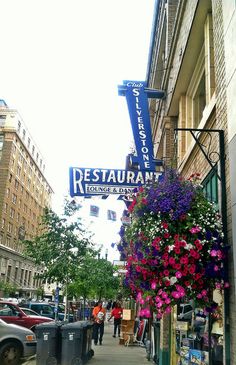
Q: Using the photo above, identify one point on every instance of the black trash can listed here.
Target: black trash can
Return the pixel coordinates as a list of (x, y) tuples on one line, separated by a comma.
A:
[(87, 351), (71, 343), (48, 337), (156, 357)]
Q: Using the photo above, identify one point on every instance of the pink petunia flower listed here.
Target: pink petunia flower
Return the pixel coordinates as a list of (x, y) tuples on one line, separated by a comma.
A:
[(213, 253), (178, 274), (195, 229), (153, 285), (168, 309)]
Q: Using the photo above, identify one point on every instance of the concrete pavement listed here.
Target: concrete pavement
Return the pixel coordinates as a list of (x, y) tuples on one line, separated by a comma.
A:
[(112, 353)]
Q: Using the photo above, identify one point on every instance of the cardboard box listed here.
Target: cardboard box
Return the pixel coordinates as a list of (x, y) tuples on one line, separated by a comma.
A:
[(128, 314), (127, 326)]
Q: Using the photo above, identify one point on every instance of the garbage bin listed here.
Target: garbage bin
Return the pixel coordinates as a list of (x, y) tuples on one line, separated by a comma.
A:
[(48, 343), (156, 357), (71, 343), (87, 351)]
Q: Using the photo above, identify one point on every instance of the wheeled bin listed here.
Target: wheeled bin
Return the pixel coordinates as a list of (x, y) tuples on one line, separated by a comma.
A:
[(156, 349), (87, 351), (48, 337), (71, 343)]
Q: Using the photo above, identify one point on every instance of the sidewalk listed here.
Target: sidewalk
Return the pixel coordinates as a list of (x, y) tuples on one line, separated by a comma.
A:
[(112, 353)]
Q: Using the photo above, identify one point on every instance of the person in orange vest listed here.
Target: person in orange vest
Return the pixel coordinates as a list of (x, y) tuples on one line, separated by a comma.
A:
[(117, 314), (99, 314)]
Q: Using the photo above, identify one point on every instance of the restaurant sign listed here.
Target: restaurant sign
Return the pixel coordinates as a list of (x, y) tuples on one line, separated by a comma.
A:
[(96, 181)]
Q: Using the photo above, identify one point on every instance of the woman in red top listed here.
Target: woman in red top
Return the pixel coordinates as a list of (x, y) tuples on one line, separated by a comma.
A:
[(117, 314)]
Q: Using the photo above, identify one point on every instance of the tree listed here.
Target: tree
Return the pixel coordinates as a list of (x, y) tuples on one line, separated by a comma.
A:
[(94, 278), (61, 247)]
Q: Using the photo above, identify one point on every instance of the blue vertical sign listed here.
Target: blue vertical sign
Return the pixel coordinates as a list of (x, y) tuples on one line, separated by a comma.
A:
[(137, 95), (56, 300)]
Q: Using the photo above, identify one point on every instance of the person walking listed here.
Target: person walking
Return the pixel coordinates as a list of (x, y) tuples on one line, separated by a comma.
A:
[(99, 314), (117, 314)]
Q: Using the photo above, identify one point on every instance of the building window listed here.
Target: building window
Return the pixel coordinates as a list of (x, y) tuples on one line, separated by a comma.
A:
[(12, 163), (199, 102), (210, 187), (18, 171), (28, 142), (9, 228), (16, 184), (8, 241), (19, 126), (1, 145), (14, 198), (28, 183), (5, 207), (33, 149), (18, 217), (21, 159), (12, 213), (23, 137), (21, 276), (16, 274), (29, 278), (8, 273)]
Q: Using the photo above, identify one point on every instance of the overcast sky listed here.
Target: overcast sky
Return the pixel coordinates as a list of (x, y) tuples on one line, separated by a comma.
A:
[(61, 62)]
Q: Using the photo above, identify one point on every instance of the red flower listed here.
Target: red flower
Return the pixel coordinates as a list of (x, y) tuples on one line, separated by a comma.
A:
[(199, 246), (172, 261), (184, 260), (192, 269), (177, 250), (164, 225)]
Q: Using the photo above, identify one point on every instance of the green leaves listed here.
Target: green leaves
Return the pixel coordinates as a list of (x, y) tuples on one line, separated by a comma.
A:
[(60, 247)]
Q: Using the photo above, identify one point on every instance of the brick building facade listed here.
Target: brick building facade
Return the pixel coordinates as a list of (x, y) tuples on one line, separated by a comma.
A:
[(192, 59), (24, 192)]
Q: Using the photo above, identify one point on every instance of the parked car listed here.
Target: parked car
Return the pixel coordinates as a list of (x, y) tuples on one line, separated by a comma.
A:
[(31, 312), (12, 313), (61, 312), (184, 312), (44, 309), (48, 310), (16, 343)]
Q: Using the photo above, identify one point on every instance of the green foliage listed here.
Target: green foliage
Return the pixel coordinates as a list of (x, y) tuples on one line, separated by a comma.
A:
[(61, 247), (7, 288), (94, 278)]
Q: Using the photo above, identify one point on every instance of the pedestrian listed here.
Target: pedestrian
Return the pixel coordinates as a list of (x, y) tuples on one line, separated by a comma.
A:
[(98, 314), (117, 314), (109, 304)]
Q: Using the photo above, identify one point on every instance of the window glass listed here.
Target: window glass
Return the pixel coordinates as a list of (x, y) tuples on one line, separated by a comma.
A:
[(210, 187)]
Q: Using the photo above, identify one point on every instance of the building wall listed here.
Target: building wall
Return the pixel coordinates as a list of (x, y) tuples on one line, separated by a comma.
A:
[(224, 20), (228, 14), (24, 192), (201, 51)]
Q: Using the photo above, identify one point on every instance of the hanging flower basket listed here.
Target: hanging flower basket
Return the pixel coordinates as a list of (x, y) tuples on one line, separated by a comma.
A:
[(173, 246)]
